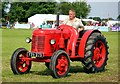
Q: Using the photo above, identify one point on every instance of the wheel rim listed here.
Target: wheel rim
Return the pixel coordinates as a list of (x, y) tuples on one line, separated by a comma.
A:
[(61, 65), (22, 65), (99, 54)]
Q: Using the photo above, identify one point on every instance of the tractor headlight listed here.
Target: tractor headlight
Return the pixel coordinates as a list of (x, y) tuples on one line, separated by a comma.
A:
[(52, 41), (28, 40)]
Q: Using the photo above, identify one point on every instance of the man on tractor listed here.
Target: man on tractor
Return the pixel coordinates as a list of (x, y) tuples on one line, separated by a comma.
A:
[(73, 21)]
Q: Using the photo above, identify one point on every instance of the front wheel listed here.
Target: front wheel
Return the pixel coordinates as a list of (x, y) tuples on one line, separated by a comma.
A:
[(59, 64), (96, 53), (18, 64)]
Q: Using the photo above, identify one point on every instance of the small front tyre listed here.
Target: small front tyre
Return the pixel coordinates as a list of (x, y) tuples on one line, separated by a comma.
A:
[(18, 64), (59, 64)]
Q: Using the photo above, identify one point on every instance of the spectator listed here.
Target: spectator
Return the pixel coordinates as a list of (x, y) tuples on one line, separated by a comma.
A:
[(8, 24)]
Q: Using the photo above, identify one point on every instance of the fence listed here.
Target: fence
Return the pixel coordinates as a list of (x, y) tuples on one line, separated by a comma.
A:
[(103, 28), (100, 28)]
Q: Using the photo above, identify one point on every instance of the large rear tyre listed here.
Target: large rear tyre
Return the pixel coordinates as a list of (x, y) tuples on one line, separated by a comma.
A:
[(18, 65), (59, 64), (47, 64), (96, 53)]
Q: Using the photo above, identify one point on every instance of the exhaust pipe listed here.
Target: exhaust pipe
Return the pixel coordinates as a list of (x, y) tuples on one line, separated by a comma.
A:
[(57, 19)]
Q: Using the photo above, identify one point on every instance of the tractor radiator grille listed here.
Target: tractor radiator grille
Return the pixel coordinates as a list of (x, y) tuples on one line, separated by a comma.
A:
[(38, 43)]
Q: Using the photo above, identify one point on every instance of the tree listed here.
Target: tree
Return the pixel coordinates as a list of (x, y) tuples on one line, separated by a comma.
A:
[(3, 16), (3, 12), (0, 10), (63, 7), (90, 18), (21, 11), (97, 18), (118, 17), (110, 18), (82, 8), (104, 19)]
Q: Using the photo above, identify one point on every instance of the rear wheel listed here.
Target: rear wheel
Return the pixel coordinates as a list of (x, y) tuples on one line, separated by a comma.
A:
[(96, 53), (59, 64), (47, 64), (18, 65)]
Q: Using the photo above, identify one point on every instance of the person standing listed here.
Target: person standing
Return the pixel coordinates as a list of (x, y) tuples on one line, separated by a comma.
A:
[(8, 24)]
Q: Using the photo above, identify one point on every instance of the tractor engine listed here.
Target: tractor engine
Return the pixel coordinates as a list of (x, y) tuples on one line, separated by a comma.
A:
[(45, 41)]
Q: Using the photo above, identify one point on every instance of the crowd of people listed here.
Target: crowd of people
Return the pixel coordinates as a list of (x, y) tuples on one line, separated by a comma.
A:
[(98, 23)]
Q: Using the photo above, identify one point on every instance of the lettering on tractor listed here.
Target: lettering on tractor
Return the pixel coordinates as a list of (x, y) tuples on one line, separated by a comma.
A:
[(56, 47)]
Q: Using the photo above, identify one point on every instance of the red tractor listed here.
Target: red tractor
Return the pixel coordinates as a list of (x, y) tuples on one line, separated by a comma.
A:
[(56, 47)]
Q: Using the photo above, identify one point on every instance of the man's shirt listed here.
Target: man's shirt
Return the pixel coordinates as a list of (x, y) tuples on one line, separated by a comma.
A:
[(76, 23)]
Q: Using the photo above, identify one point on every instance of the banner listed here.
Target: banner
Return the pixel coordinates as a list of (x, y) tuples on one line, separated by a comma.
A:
[(89, 27), (115, 28), (100, 28), (103, 28), (22, 26)]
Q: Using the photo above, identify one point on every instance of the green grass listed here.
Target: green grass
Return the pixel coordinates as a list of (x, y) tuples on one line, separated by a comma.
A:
[(13, 39), (0, 55)]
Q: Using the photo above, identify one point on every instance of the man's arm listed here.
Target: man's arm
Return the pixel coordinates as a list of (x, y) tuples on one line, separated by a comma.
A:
[(65, 21), (81, 27)]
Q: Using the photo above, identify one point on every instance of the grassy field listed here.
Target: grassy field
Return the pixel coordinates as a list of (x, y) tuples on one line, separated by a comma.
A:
[(13, 39), (0, 55)]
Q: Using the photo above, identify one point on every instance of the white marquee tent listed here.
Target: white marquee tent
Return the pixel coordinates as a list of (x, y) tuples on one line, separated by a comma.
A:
[(38, 19)]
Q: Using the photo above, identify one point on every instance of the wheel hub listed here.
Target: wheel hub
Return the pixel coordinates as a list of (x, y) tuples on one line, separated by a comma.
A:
[(22, 65), (62, 65), (99, 54)]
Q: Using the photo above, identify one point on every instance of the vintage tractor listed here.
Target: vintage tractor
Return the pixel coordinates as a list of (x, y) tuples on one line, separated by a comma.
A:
[(57, 46)]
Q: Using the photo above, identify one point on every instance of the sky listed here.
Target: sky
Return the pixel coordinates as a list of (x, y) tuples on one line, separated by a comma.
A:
[(103, 8)]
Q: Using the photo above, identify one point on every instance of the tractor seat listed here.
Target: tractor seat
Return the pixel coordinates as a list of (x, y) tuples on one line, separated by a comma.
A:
[(78, 40), (81, 33)]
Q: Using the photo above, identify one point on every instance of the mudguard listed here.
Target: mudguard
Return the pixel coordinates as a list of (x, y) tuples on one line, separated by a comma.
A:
[(73, 36), (81, 49)]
